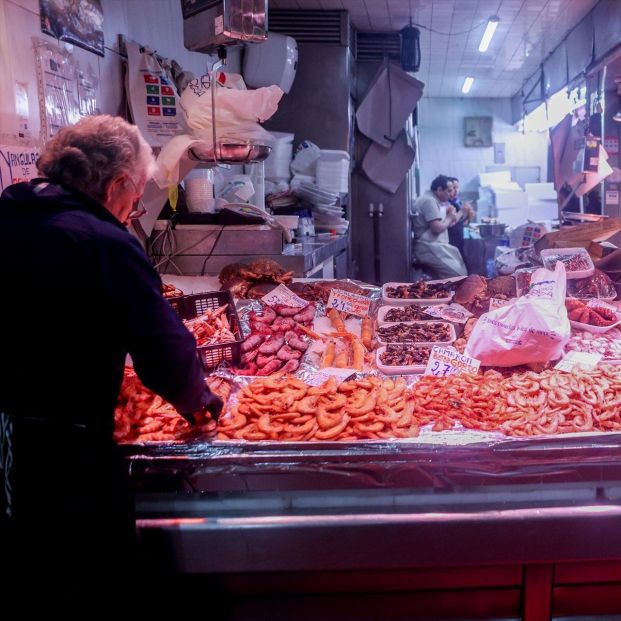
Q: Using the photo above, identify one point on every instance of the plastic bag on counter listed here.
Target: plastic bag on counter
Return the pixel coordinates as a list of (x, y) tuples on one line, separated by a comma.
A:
[(305, 158), (533, 328)]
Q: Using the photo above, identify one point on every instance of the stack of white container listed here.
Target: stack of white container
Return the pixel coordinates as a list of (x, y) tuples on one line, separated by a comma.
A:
[(332, 171), (279, 160), (327, 212)]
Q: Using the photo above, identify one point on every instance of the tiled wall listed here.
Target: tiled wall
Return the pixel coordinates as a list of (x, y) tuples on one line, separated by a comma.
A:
[(442, 149)]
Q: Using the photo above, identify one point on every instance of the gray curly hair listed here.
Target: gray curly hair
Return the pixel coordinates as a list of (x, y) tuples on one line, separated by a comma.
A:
[(97, 149)]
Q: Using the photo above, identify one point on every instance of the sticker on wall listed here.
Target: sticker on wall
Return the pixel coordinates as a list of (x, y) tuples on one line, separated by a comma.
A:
[(611, 144)]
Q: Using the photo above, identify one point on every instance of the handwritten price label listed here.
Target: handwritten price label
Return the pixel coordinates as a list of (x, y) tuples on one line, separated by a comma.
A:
[(584, 359), (448, 361), (283, 295), (319, 378), (350, 303), (449, 312)]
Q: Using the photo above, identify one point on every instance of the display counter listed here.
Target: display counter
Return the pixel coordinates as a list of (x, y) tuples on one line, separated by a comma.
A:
[(454, 523), (481, 517)]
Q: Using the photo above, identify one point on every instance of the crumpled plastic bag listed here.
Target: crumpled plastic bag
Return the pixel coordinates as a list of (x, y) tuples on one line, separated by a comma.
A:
[(533, 328), (305, 159), (238, 114)]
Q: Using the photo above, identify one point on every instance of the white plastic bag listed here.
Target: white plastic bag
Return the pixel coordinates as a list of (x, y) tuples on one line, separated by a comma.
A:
[(238, 110), (305, 158), (532, 329), (238, 114)]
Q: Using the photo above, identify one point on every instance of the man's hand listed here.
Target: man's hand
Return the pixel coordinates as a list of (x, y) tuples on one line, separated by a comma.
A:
[(211, 403)]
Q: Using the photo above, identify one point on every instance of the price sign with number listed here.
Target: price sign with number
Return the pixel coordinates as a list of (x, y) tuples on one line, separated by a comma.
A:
[(584, 359), (350, 303), (283, 295), (319, 378), (445, 361)]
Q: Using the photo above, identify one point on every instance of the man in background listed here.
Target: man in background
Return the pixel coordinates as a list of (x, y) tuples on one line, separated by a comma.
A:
[(466, 212), (432, 217)]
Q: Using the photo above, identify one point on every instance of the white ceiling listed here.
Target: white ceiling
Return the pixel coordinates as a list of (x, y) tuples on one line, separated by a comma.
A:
[(528, 31)]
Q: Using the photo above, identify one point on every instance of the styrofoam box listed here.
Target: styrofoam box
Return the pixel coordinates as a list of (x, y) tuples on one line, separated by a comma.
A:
[(407, 301), (401, 370), (453, 336), (568, 252)]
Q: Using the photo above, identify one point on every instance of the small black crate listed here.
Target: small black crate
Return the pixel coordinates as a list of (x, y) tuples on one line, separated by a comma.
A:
[(191, 306)]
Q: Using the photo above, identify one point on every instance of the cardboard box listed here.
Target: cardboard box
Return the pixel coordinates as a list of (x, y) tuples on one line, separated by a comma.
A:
[(581, 236)]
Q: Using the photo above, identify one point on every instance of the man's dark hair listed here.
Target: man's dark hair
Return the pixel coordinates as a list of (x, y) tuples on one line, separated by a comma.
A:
[(440, 182), (453, 179)]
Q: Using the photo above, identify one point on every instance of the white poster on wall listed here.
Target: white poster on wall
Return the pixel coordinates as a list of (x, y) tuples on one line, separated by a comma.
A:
[(17, 164)]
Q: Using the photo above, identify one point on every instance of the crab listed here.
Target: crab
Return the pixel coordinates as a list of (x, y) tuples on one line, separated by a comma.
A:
[(470, 290), (233, 271), (268, 270)]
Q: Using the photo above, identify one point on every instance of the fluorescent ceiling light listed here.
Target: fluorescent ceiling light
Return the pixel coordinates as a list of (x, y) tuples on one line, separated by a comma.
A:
[(468, 82), (492, 24)]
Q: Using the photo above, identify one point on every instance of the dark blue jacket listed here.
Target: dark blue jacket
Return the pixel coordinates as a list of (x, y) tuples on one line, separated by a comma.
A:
[(78, 294)]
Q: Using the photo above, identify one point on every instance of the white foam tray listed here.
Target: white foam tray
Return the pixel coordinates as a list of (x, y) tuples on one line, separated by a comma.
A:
[(450, 325)]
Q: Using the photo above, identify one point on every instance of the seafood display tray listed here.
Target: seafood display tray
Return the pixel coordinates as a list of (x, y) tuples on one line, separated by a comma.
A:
[(386, 299), (550, 252), (413, 369), (431, 343), (383, 311)]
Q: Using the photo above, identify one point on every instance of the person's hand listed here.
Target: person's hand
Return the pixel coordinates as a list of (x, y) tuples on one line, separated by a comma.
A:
[(451, 213), (213, 404)]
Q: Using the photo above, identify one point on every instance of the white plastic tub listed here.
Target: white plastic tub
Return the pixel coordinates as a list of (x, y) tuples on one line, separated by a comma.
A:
[(405, 369), (549, 263), (407, 301), (383, 311), (452, 336)]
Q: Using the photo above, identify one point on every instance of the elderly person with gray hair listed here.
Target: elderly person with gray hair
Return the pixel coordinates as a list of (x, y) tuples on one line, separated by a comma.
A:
[(80, 294)]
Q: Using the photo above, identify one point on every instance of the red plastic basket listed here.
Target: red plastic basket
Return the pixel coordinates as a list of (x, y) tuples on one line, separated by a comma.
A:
[(191, 306)]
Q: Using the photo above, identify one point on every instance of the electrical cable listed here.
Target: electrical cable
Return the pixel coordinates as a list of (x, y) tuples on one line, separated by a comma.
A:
[(450, 34), (211, 251)]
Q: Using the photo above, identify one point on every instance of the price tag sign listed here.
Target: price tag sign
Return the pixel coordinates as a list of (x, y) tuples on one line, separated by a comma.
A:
[(449, 312), (445, 361), (350, 303), (283, 295), (495, 303), (583, 359), (319, 378)]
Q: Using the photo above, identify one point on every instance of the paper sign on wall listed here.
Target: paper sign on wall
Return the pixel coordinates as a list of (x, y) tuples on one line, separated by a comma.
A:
[(445, 361), (17, 164), (347, 302), (612, 197)]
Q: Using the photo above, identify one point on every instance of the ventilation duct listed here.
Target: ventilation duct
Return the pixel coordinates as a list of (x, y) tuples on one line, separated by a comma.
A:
[(325, 27)]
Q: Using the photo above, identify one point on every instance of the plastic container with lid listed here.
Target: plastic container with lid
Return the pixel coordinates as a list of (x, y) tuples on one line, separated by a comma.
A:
[(550, 256)]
